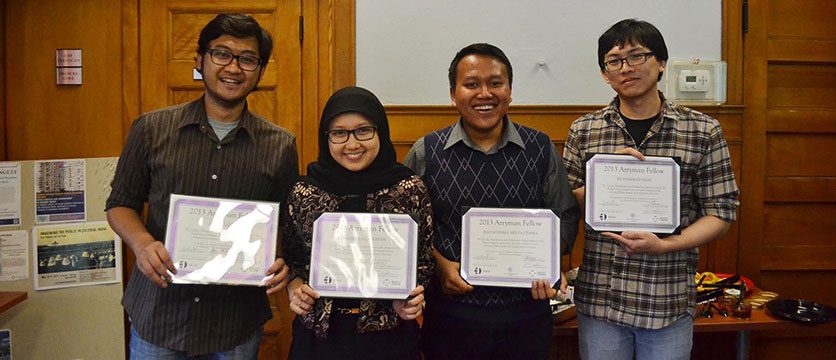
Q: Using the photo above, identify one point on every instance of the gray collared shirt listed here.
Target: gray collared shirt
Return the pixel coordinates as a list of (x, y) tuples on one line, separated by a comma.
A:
[(555, 193)]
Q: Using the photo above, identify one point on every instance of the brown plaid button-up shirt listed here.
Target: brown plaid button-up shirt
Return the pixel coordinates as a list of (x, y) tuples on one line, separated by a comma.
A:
[(650, 291)]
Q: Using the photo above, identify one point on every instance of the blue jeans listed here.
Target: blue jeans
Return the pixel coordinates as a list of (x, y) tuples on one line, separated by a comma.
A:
[(143, 350), (599, 339)]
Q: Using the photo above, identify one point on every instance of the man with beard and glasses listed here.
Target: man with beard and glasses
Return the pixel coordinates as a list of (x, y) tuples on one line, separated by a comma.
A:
[(216, 147)]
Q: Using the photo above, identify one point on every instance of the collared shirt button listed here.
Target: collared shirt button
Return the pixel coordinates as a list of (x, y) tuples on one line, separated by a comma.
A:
[(214, 176), (196, 299)]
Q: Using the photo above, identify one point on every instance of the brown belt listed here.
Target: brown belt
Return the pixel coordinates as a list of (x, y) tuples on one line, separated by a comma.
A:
[(346, 311)]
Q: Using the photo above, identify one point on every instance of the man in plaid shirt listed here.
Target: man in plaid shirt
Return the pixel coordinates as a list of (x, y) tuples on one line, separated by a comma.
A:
[(635, 292)]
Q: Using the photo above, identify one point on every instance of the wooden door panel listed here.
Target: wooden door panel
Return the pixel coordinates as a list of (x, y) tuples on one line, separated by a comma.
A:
[(801, 86), (801, 18), (800, 189), (790, 68), (185, 30), (817, 121), (789, 154)]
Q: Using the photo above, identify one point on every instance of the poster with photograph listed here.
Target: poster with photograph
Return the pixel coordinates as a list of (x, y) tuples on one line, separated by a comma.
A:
[(60, 191), (14, 255), (5, 344), (78, 254), (9, 194)]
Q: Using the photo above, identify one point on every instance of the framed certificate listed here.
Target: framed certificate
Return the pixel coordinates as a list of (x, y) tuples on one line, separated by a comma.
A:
[(221, 241), (364, 255), (627, 194), (510, 247)]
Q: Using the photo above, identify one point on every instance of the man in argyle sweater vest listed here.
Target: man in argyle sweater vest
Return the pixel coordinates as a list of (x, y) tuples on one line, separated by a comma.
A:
[(485, 160)]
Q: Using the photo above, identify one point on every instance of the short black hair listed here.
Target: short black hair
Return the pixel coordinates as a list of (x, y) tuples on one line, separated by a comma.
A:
[(633, 32), (484, 49), (240, 26)]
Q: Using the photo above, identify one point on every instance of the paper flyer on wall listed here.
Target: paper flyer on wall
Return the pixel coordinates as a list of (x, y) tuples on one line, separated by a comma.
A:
[(77, 254), (60, 189), (9, 194), (14, 255)]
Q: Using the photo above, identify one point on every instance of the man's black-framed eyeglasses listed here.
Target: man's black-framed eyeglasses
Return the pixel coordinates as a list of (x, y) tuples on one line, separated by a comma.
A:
[(223, 57), (340, 136), (632, 60)]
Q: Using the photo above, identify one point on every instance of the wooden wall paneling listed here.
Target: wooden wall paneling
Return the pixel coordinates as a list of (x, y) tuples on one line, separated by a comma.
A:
[(288, 55), (790, 98), (327, 62), (44, 120), (732, 34), (153, 55), (801, 85), (800, 189), (800, 121), (750, 214), (800, 171), (793, 49), (3, 80), (794, 19), (130, 65), (793, 154), (310, 81), (813, 285)]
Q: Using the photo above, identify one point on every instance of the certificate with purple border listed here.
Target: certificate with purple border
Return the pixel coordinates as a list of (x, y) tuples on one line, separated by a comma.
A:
[(221, 241), (627, 194), (364, 255), (510, 247)]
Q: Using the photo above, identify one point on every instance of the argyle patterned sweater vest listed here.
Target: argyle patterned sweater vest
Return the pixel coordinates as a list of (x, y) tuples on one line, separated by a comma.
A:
[(459, 178)]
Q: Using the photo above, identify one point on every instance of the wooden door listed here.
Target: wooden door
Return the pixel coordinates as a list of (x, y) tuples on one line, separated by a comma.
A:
[(168, 33), (789, 164)]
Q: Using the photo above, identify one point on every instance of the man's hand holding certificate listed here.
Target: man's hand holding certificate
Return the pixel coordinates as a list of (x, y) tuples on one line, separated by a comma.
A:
[(221, 241), (510, 247), (624, 193)]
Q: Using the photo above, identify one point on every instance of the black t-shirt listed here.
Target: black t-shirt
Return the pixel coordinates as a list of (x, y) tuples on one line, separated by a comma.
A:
[(638, 128)]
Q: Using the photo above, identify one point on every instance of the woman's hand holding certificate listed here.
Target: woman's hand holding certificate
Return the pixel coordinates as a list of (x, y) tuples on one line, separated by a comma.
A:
[(364, 255)]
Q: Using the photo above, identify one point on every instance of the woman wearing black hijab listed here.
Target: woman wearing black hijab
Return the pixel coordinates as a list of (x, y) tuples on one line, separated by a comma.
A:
[(356, 171)]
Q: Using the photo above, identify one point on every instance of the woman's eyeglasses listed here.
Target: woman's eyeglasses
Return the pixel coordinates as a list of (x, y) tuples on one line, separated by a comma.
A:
[(340, 136)]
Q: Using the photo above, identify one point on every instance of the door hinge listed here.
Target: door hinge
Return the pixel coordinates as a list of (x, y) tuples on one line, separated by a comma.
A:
[(301, 29)]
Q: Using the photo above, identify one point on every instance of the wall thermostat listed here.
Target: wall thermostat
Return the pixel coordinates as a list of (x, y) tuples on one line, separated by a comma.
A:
[(695, 82)]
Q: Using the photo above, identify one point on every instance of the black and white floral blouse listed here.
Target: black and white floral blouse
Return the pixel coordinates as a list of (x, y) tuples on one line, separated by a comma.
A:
[(409, 196)]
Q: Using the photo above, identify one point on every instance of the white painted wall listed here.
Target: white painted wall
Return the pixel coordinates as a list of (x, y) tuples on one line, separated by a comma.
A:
[(404, 47)]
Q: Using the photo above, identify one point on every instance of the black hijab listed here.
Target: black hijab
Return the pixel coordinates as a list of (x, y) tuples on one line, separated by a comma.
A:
[(383, 172)]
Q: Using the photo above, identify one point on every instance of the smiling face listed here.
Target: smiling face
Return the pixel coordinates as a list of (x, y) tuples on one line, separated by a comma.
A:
[(353, 155), (482, 93), (633, 82), (228, 85)]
